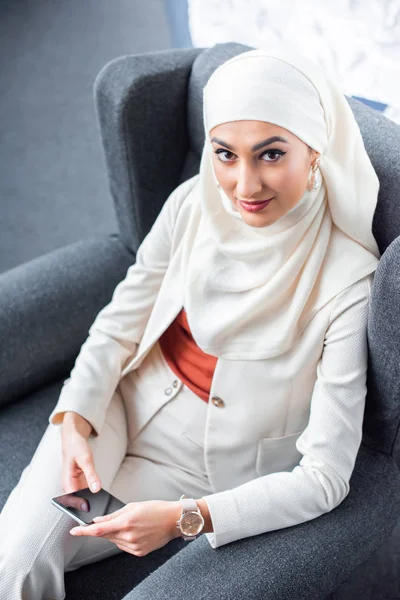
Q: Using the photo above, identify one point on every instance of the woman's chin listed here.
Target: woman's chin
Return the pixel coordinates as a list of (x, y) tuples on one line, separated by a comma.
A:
[(256, 219)]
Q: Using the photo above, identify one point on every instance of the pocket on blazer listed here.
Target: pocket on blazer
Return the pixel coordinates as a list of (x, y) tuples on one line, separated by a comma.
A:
[(277, 454)]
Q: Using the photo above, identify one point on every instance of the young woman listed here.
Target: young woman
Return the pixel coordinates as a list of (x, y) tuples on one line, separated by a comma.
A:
[(230, 365)]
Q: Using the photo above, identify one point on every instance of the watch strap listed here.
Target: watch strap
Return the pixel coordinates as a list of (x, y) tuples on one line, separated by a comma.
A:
[(189, 504)]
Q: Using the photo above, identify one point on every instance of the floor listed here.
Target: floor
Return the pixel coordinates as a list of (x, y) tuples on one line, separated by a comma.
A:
[(53, 185)]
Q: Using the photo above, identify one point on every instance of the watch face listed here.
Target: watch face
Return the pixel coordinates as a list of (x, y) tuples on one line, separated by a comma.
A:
[(192, 523)]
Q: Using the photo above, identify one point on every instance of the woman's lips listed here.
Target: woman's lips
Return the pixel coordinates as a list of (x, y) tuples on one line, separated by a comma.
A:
[(255, 207)]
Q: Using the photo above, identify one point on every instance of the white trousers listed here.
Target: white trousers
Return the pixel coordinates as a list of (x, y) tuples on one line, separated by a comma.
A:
[(162, 461)]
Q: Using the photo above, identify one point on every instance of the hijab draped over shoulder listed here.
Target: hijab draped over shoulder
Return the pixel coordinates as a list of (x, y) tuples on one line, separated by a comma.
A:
[(250, 291)]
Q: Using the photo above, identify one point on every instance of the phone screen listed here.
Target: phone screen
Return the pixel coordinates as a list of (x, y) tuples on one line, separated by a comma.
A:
[(83, 505)]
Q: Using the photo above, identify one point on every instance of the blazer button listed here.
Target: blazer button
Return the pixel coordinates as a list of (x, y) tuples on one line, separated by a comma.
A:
[(217, 401), (168, 391)]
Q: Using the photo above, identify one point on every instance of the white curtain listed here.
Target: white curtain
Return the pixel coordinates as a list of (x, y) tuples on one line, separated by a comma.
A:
[(358, 41)]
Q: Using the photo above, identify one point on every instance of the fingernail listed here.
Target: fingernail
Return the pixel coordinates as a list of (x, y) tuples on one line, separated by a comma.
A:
[(94, 487), (73, 532)]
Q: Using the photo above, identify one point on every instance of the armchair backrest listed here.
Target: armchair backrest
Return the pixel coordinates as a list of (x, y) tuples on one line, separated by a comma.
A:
[(149, 108), (381, 139)]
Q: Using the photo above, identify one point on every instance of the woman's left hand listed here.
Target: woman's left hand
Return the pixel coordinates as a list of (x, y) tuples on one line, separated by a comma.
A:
[(138, 527)]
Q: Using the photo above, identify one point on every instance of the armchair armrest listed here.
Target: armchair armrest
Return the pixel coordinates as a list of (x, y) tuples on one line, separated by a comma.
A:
[(47, 306), (304, 562), (381, 424)]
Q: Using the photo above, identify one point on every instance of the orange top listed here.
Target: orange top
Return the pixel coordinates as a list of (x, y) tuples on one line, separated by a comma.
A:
[(194, 367)]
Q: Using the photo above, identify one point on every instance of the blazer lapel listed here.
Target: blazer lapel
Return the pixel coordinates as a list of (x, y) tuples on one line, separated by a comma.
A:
[(167, 305), (170, 298)]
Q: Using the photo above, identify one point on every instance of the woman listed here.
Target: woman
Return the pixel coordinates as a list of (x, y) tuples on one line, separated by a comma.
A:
[(230, 365)]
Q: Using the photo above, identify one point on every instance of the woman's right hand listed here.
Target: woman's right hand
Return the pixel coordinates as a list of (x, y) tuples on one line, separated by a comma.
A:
[(78, 470)]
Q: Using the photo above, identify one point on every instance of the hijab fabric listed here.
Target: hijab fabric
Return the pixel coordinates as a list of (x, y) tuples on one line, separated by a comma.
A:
[(250, 291)]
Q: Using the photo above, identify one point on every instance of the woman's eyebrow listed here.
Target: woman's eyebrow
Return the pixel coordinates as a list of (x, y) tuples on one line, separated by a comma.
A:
[(267, 142)]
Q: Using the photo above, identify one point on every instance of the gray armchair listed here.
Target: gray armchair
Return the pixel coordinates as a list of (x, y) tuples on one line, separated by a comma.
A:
[(149, 108)]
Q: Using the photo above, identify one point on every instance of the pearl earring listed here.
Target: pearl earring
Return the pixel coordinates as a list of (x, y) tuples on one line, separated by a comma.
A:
[(312, 183)]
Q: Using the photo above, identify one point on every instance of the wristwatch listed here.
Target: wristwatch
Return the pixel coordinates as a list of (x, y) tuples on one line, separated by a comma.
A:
[(191, 522)]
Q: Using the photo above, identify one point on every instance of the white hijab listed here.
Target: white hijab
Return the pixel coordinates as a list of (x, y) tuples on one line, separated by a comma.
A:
[(250, 291)]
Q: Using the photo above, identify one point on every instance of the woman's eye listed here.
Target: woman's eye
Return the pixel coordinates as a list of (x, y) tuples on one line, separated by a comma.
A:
[(274, 152), (220, 151), (227, 155)]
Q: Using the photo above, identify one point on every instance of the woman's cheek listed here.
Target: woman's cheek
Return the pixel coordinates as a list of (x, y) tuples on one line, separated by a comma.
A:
[(225, 179), (294, 183)]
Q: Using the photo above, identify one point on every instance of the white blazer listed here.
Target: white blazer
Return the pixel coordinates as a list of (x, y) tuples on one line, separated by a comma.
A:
[(282, 447)]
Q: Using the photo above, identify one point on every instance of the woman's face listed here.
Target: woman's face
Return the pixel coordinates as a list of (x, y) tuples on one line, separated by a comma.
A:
[(249, 166)]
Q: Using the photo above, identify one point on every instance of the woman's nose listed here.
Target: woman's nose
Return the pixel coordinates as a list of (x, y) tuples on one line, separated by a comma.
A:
[(249, 183)]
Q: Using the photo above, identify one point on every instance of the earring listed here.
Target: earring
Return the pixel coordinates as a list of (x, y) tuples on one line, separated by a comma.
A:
[(312, 183)]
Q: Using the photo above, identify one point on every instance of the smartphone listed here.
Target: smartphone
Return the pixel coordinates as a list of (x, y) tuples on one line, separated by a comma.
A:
[(83, 505)]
